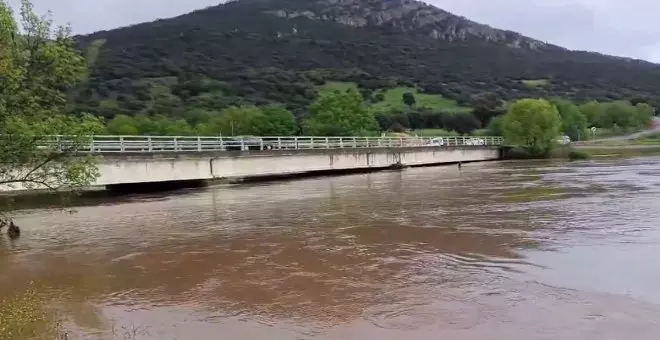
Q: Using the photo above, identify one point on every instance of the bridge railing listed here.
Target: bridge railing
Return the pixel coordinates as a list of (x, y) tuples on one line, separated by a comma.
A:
[(128, 144)]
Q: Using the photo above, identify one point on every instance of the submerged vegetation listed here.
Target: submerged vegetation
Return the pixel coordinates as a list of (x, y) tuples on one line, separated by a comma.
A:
[(25, 315)]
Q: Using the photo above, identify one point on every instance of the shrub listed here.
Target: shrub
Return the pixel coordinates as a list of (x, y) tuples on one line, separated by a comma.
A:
[(575, 155)]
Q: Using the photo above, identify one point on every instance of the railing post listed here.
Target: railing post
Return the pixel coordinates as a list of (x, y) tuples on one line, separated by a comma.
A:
[(327, 143), (261, 144), (151, 146), (295, 141), (121, 144), (176, 145), (341, 142), (354, 142), (311, 142), (279, 143), (242, 143), (199, 144)]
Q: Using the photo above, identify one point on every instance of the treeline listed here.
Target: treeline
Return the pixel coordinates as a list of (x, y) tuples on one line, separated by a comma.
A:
[(235, 120), (617, 116), (344, 113), (535, 124), (426, 118)]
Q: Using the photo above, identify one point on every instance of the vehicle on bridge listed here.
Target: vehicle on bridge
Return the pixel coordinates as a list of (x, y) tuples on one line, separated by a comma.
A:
[(438, 141), (243, 143), (475, 141)]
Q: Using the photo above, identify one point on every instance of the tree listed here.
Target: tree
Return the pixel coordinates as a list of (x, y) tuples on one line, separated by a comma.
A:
[(495, 126), (592, 110), (122, 125), (409, 99), (278, 121), (643, 115), (39, 65), (574, 122), (533, 124), (461, 122), (487, 106), (340, 114), (617, 114), (239, 120)]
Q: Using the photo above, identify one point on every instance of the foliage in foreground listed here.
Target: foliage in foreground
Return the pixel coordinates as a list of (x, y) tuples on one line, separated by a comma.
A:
[(39, 66), (25, 316)]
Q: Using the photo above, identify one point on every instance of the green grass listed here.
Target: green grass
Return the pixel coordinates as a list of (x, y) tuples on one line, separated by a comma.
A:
[(480, 132), (575, 155), (393, 98), (532, 83), (333, 86), (433, 132), (622, 151)]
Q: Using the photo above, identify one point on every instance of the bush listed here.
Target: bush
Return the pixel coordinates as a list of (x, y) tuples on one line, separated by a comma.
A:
[(575, 155), (519, 153)]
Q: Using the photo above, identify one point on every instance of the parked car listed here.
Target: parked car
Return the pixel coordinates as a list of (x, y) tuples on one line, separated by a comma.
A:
[(563, 140), (242, 143), (438, 141)]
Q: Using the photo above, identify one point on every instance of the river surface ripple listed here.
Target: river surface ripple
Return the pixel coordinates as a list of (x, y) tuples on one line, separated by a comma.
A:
[(508, 250)]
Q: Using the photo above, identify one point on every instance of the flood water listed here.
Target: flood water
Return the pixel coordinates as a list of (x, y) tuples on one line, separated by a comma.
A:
[(496, 251)]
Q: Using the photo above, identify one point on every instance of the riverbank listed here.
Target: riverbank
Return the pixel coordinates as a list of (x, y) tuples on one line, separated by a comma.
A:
[(619, 150), (586, 151)]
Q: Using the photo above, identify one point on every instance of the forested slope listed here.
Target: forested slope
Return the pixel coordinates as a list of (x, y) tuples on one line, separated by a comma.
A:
[(282, 51)]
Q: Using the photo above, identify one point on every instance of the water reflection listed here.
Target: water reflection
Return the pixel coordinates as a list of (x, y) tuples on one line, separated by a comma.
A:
[(454, 251)]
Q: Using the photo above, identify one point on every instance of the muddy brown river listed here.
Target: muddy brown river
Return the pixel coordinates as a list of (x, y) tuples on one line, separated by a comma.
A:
[(536, 250)]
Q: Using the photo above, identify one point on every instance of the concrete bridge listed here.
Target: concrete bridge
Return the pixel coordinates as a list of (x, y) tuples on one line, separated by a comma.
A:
[(135, 162), (150, 159)]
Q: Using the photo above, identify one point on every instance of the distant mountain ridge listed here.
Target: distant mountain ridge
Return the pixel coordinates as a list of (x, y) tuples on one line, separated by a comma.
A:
[(281, 51), (405, 15)]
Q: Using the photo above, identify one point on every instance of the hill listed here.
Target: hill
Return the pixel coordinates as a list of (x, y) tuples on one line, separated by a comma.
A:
[(287, 51)]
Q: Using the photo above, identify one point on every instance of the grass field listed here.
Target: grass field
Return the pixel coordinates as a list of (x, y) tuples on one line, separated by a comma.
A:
[(535, 82), (393, 98), (333, 86), (433, 132), (630, 150)]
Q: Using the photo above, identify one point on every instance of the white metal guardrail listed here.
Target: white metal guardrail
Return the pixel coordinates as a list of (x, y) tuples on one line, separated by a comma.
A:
[(158, 144)]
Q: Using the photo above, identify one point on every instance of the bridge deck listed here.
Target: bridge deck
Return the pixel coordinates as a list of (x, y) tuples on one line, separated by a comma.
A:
[(160, 144)]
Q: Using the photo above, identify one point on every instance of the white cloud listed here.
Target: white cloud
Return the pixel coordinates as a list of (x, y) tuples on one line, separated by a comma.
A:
[(625, 28)]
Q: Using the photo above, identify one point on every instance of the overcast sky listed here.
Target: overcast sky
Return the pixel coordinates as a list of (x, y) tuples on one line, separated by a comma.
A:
[(619, 27)]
